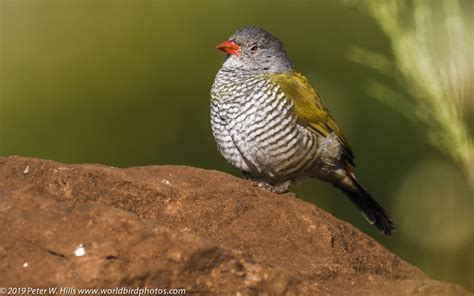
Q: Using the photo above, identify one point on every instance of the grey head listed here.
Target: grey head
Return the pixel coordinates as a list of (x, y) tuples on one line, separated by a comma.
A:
[(254, 49)]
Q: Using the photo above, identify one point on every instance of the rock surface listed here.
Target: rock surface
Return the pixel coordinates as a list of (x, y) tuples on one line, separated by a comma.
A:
[(182, 227)]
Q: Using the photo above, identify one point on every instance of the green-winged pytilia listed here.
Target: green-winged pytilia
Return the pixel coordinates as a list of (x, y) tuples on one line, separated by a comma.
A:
[(271, 124)]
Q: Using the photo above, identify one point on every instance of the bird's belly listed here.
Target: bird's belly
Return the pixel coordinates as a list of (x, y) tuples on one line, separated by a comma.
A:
[(224, 141), (265, 141)]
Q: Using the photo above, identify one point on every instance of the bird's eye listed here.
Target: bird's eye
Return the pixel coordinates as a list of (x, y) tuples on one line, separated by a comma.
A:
[(254, 48)]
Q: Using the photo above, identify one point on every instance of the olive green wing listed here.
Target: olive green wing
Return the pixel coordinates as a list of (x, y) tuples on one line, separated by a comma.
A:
[(310, 109)]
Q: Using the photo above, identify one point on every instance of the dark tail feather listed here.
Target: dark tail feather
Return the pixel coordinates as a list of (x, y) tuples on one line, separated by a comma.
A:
[(368, 206)]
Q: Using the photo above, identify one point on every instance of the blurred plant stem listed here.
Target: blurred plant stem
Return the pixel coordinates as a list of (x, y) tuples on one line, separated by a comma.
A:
[(433, 58)]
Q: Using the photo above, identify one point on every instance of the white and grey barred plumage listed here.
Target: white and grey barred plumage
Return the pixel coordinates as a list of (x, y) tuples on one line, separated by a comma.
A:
[(256, 130)]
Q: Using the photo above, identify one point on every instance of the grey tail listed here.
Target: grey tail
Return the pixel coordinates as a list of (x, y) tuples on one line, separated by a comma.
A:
[(367, 205)]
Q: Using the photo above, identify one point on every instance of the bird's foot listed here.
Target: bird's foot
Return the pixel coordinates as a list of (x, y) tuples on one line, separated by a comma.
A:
[(277, 188)]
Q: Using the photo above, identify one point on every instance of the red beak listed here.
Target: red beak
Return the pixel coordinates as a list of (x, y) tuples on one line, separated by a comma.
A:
[(229, 47)]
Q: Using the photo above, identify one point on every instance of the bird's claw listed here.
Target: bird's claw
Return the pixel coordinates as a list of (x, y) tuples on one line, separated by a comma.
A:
[(278, 188)]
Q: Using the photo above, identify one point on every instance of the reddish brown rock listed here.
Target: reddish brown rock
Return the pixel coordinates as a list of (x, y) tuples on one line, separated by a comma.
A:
[(181, 227)]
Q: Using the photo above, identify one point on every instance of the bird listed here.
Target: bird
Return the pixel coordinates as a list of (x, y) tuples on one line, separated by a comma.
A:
[(272, 125)]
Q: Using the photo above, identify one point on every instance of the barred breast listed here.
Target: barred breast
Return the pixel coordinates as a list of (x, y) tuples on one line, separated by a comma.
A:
[(255, 129)]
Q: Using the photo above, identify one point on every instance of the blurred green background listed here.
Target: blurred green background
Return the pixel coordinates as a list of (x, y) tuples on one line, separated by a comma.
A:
[(126, 83)]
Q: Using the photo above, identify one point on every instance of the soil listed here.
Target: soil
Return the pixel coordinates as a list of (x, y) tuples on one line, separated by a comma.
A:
[(170, 227)]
